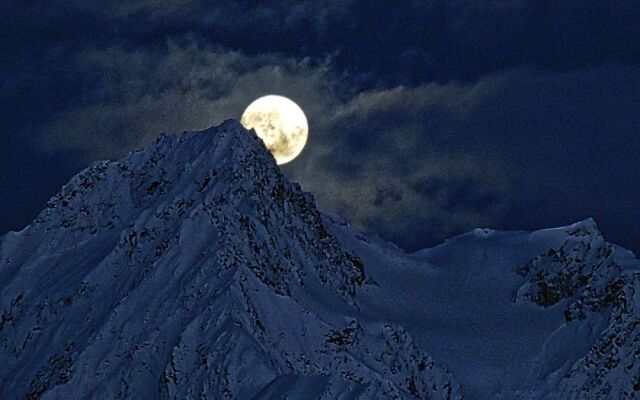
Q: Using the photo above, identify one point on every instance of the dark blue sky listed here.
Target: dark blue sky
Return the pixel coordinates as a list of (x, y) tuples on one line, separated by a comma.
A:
[(427, 118)]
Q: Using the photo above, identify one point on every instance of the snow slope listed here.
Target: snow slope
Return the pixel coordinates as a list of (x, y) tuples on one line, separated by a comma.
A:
[(194, 269), (552, 314)]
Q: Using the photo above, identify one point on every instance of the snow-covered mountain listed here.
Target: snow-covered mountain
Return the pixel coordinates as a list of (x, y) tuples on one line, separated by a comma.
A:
[(552, 314), (194, 269)]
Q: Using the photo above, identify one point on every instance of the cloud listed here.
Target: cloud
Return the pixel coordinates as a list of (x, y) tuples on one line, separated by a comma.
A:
[(385, 162), (155, 8), (447, 195), (413, 164), (139, 94), (521, 149), (237, 18)]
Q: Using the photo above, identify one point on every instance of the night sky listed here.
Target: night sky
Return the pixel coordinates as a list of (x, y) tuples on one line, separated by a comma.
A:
[(427, 118)]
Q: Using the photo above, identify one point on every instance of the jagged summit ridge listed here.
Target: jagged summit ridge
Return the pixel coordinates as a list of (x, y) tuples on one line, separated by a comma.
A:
[(163, 166), (194, 268)]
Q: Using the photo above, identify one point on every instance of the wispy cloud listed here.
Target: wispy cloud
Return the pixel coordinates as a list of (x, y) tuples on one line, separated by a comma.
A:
[(139, 94)]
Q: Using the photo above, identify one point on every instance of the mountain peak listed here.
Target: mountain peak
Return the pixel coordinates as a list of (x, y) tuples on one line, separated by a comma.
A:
[(194, 267), (585, 227), (231, 125)]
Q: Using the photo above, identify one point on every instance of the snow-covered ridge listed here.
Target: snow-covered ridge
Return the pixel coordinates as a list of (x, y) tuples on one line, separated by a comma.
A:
[(585, 273), (194, 269), (551, 314)]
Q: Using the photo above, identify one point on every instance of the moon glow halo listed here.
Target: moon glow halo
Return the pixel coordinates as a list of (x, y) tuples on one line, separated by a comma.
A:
[(280, 123)]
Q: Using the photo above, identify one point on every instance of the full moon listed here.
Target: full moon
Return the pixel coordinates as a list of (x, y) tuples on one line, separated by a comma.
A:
[(280, 123)]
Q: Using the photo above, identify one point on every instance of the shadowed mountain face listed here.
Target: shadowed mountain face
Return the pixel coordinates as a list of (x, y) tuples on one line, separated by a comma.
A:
[(194, 269)]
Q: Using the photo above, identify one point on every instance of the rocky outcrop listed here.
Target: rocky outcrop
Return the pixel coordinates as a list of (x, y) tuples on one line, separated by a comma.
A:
[(584, 276)]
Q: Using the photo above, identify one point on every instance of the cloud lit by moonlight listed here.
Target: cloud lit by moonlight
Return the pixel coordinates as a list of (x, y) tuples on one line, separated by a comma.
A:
[(280, 123)]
